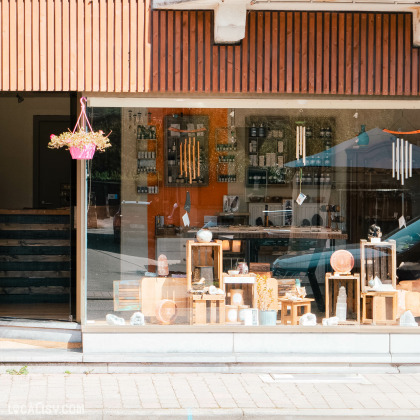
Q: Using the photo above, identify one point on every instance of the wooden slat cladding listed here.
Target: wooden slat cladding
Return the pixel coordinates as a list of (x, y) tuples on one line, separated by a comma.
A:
[(342, 53), (62, 45)]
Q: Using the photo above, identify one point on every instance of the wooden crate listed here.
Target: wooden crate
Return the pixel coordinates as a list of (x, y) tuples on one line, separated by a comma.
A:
[(207, 309), (379, 308), (292, 310), (378, 259), (205, 254), (126, 295), (332, 287)]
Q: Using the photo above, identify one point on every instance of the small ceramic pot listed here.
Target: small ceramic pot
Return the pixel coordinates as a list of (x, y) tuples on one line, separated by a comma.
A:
[(268, 317), (204, 235), (243, 267)]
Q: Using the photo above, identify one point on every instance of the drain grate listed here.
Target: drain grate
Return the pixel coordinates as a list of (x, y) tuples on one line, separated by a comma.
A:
[(317, 378)]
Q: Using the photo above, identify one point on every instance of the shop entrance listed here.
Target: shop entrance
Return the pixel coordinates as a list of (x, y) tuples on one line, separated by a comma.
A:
[(36, 196)]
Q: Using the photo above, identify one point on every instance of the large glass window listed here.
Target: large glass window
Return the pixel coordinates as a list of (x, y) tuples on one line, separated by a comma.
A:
[(253, 217)]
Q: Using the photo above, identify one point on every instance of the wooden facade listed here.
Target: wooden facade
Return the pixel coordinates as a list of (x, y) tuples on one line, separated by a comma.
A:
[(122, 46)]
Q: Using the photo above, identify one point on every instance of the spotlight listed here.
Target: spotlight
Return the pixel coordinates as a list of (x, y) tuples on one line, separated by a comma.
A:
[(19, 98)]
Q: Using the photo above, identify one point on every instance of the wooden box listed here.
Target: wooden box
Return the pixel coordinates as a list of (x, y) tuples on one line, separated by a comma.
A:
[(332, 287), (410, 289), (379, 307), (201, 254), (378, 259), (126, 295), (207, 309)]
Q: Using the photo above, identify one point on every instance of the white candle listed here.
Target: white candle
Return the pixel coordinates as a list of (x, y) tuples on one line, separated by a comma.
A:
[(402, 160), (393, 160), (406, 159), (297, 142), (304, 145), (411, 160), (397, 159)]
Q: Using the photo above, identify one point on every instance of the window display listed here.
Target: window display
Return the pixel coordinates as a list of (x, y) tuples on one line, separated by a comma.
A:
[(285, 218)]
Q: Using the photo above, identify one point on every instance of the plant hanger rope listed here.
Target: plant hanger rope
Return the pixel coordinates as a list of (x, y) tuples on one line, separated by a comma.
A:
[(82, 113)]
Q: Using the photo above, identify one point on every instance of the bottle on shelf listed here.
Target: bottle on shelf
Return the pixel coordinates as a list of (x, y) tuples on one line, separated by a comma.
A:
[(253, 131)]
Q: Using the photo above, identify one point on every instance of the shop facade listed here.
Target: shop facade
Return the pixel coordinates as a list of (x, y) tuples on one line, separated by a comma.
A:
[(274, 145)]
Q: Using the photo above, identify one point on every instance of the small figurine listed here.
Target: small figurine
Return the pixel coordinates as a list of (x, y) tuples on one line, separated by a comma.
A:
[(374, 232)]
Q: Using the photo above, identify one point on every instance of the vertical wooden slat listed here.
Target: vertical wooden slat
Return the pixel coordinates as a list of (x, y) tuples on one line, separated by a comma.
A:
[(385, 54), (80, 47), (58, 43), (392, 54), (146, 45), (43, 44), (133, 46), (238, 76), (118, 45), (73, 45), (319, 53), (125, 58), (200, 51), (13, 47), (95, 45), (229, 69), (170, 58), (222, 67), (327, 53), (193, 58), (259, 65), (334, 50), (349, 49), (356, 52), (378, 48), (177, 61), (28, 45), (407, 54), (400, 54), (35, 45), (267, 52), (65, 73), (245, 65), (252, 52), (162, 52), (155, 51), (20, 20), (371, 44), (214, 72), (103, 45), (274, 51), (5, 62), (50, 45), (363, 52), (88, 45), (185, 49), (311, 48), (282, 52), (341, 53), (141, 46), (207, 69), (414, 72), (297, 53), (289, 52)]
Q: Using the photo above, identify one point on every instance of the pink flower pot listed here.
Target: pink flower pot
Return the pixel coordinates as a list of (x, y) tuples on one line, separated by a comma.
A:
[(86, 153)]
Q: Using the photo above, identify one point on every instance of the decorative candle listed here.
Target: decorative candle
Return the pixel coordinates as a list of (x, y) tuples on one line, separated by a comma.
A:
[(180, 159), (402, 160), (406, 159), (297, 142), (393, 160), (185, 158), (411, 161), (198, 158), (397, 159), (189, 158), (304, 146), (194, 157)]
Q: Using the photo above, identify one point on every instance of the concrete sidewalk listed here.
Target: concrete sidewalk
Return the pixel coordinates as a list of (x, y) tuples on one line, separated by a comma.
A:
[(208, 395)]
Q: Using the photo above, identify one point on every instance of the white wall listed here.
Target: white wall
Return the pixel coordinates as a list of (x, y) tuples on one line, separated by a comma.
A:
[(16, 145)]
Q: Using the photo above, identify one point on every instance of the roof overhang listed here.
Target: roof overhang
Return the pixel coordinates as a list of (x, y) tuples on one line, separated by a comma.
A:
[(230, 15)]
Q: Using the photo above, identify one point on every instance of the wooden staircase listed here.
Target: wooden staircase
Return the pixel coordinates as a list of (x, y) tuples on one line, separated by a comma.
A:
[(34, 257)]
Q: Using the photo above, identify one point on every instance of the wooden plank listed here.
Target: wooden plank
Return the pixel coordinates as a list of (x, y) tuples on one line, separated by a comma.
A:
[(252, 52), (200, 51), (334, 52), (146, 45), (363, 52), (349, 51), (193, 46), (356, 51), (185, 51), (385, 55), (58, 46), (267, 52), (87, 70), (222, 68), (28, 32), (259, 65), (245, 67), (371, 44), (125, 73), (170, 41), (73, 45), (33, 258), (118, 46), (229, 69), (414, 71), (319, 52), (12, 47), (341, 53), (5, 47), (177, 53), (215, 68), (35, 212), (207, 32), (289, 52), (34, 242), (20, 71), (297, 53), (133, 46), (95, 43), (110, 52), (34, 274), (34, 226), (407, 54), (311, 48), (400, 54), (238, 68), (326, 53), (274, 51), (162, 52), (103, 44), (156, 58), (141, 50), (80, 80), (378, 60), (65, 61), (392, 54)]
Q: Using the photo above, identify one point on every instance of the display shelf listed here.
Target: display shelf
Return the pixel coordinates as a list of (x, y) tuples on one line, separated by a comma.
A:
[(227, 162)]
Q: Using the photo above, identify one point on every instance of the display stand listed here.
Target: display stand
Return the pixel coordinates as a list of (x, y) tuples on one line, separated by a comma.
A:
[(332, 286), (378, 259), (207, 309), (297, 309)]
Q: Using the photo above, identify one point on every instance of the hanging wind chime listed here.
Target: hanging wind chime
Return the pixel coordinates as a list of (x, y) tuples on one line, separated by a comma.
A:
[(301, 143)]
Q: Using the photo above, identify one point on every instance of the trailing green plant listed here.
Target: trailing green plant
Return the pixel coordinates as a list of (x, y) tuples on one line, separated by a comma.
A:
[(22, 371)]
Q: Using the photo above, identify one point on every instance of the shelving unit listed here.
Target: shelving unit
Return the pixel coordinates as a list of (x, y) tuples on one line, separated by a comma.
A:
[(226, 148), (186, 153)]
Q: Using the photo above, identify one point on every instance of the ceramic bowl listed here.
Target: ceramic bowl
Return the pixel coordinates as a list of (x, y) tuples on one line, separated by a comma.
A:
[(233, 272)]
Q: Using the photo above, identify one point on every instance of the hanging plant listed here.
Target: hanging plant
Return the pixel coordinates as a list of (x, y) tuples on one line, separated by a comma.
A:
[(82, 144)]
